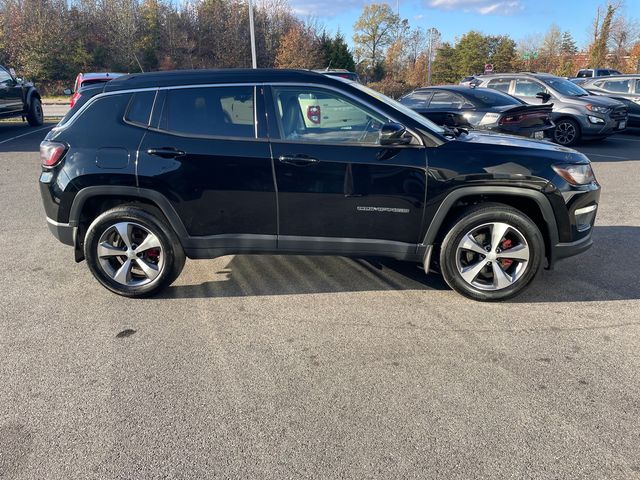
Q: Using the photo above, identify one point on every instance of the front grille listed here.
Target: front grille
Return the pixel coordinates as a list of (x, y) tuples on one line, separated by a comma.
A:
[(619, 113)]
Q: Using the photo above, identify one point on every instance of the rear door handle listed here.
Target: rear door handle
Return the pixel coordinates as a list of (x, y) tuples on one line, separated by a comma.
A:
[(298, 160), (166, 152)]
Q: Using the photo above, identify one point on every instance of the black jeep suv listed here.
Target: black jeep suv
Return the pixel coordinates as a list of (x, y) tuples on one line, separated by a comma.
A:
[(152, 168), (19, 98)]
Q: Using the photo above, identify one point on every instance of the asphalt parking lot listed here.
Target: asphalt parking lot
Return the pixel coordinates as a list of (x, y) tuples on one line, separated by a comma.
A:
[(324, 367)]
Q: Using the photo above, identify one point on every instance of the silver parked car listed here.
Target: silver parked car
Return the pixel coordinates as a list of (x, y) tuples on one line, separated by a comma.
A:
[(576, 113)]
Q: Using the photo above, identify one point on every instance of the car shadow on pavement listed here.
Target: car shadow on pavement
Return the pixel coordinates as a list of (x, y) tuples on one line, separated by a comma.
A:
[(256, 275), (607, 271), (596, 275)]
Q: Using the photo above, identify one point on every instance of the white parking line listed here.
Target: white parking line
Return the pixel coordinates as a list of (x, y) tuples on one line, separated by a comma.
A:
[(606, 156), (25, 134)]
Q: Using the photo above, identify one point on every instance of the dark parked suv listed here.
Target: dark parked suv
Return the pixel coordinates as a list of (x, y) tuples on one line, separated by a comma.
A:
[(152, 168)]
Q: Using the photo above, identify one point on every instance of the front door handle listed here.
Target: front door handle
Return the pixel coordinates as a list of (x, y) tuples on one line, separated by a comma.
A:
[(166, 152), (298, 160)]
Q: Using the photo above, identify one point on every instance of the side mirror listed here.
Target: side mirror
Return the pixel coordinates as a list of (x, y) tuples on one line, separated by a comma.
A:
[(393, 134), (545, 97), (67, 91), (12, 72)]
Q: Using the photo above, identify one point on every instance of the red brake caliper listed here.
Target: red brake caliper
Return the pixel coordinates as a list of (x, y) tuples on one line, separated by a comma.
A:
[(505, 245), (153, 254)]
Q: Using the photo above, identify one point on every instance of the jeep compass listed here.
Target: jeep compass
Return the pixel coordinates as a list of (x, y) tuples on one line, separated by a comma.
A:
[(152, 168)]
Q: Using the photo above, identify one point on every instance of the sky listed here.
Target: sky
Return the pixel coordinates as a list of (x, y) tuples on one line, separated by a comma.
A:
[(453, 18)]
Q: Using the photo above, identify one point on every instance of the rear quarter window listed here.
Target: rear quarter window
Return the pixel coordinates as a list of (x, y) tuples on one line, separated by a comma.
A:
[(139, 109)]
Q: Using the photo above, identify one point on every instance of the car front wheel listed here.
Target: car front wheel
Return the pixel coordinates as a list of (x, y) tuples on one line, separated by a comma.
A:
[(491, 253), (133, 252), (567, 132)]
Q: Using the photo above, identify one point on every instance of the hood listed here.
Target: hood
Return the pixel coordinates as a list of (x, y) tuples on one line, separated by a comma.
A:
[(595, 100), (491, 138), (512, 145)]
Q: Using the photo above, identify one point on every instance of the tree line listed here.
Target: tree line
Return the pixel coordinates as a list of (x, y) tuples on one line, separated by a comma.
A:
[(50, 41)]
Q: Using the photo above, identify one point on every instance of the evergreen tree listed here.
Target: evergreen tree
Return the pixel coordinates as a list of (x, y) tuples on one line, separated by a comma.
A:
[(568, 46), (336, 53)]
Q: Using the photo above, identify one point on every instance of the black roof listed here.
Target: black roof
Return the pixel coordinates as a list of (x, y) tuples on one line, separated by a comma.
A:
[(227, 75)]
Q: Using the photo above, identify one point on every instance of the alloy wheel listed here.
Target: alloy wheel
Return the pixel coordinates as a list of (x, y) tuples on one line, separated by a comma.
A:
[(130, 254), (492, 256), (565, 133)]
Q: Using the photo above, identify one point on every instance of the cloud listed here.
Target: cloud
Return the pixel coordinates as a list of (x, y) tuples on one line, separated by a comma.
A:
[(483, 7), (319, 8), (325, 9)]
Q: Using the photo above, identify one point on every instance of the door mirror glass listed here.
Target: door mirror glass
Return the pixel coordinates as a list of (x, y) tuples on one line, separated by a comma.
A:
[(393, 134), (67, 91)]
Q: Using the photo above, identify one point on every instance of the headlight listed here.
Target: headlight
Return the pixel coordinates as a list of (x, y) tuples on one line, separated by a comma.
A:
[(579, 174), (596, 108)]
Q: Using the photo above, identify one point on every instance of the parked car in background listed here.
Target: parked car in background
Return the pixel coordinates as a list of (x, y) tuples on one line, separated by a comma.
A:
[(587, 73), (340, 72), (87, 79), (19, 98), (153, 169), (624, 88), (481, 109), (576, 113), (470, 81)]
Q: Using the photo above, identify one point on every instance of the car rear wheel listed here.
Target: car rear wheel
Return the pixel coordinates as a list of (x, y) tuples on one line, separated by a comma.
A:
[(491, 253), (133, 252), (567, 132), (35, 115)]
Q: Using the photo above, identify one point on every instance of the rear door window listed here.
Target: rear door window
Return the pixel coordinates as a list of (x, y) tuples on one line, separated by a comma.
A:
[(417, 99), (446, 100), (617, 86), (501, 84), (210, 112), (638, 87)]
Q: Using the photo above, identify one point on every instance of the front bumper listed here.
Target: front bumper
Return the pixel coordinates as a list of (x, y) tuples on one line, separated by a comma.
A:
[(609, 127), (63, 232), (564, 250)]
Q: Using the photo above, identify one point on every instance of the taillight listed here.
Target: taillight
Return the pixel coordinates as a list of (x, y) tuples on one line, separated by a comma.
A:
[(313, 114), (51, 153), (510, 119), (74, 98)]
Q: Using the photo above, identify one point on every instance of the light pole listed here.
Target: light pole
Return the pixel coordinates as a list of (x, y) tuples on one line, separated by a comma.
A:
[(254, 62)]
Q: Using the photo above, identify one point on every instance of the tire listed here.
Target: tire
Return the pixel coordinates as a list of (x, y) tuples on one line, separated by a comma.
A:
[(35, 115), (567, 132), (470, 269), (113, 261)]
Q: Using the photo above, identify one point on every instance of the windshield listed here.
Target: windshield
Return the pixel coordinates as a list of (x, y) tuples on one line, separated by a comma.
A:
[(565, 87), (403, 108)]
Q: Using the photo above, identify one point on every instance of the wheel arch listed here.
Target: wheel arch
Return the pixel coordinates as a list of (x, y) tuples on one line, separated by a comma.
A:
[(31, 93), (532, 203), (92, 201)]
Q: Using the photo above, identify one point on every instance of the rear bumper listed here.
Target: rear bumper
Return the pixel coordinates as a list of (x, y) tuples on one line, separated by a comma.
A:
[(62, 231)]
